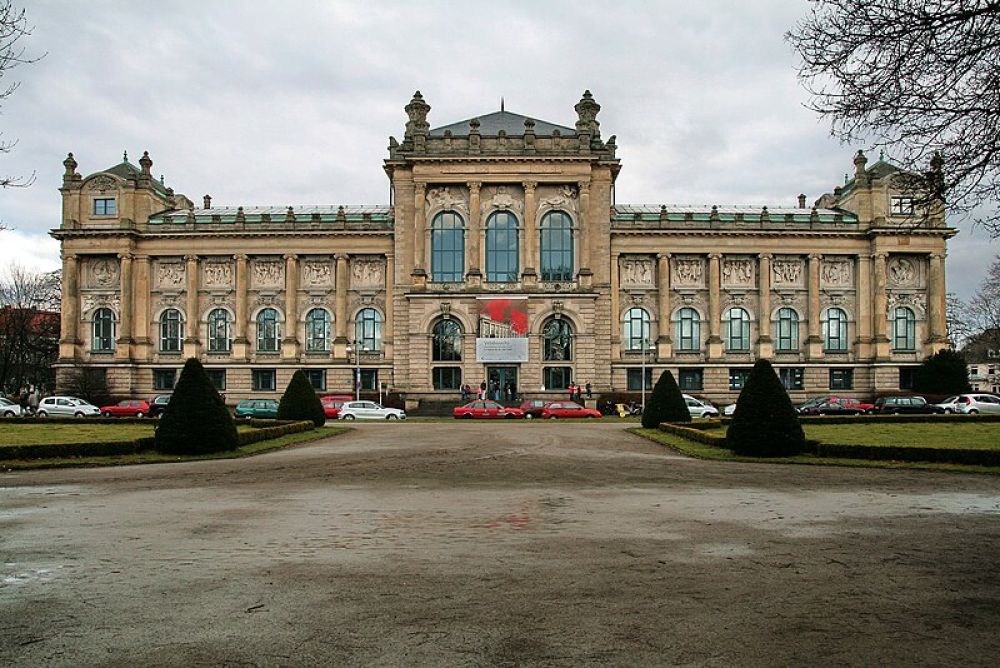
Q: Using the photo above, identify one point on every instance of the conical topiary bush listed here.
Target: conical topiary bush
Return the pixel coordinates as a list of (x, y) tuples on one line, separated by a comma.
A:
[(666, 404), (765, 423), (300, 401), (196, 420)]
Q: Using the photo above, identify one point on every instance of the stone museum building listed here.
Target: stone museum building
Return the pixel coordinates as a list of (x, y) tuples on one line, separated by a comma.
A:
[(503, 258)]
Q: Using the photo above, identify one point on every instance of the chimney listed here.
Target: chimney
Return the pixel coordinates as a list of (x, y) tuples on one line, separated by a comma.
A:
[(208, 201), (802, 201)]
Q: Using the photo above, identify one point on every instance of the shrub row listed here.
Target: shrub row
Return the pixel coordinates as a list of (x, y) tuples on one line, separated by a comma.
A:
[(699, 434), (76, 420), (875, 419), (910, 454), (267, 433)]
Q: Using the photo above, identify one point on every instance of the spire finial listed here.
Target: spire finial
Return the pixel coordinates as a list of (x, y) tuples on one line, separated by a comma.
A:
[(501, 103), (124, 156)]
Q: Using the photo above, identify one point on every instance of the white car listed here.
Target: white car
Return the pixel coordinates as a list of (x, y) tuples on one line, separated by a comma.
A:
[(9, 409), (66, 406), (368, 410), (971, 404), (699, 408), (729, 410)]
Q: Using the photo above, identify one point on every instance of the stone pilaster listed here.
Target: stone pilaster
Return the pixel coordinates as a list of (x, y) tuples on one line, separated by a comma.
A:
[(241, 346), (70, 321), (340, 315), (529, 245), (765, 343), (814, 342), (473, 263), (192, 323), (290, 343), (715, 350), (936, 305), (142, 347), (586, 224), (880, 316), (123, 346), (664, 344), (863, 347), (388, 325), (419, 235), (616, 315)]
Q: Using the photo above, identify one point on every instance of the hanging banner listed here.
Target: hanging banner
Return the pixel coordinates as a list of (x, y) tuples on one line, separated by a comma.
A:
[(503, 330)]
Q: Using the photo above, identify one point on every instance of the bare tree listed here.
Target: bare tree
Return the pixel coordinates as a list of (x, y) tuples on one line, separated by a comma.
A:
[(920, 78), (29, 328), (982, 313), (14, 29)]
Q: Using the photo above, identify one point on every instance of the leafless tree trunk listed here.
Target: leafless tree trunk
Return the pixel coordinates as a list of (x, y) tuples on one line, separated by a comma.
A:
[(29, 328)]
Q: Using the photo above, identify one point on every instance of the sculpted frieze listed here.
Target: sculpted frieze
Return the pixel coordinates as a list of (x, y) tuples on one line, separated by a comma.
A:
[(367, 272), (102, 182), (636, 270), (445, 198), (916, 301), (218, 274), (317, 273), (94, 300), (498, 198), (837, 272), (169, 274), (102, 272), (564, 197), (688, 271), (267, 273), (738, 272), (786, 271)]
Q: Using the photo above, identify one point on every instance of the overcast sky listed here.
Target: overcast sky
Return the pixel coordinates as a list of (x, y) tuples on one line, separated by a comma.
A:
[(288, 102)]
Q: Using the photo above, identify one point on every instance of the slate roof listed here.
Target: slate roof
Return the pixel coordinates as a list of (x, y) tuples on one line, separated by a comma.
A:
[(638, 213), (254, 214), (125, 168), (509, 122)]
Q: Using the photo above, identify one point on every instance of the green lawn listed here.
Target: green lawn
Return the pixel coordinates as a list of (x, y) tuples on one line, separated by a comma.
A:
[(78, 432)]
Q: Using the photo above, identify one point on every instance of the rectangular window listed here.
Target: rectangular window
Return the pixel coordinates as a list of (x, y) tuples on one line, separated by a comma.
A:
[(447, 377), (263, 380), (317, 378), (841, 379), (557, 377), (791, 378), (369, 379), (738, 378), (105, 206), (691, 379), (163, 379), (902, 206), (633, 379), (907, 377), (218, 378)]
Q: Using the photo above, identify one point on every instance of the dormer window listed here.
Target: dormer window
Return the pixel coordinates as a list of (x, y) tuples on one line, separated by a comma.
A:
[(902, 206), (105, 206)]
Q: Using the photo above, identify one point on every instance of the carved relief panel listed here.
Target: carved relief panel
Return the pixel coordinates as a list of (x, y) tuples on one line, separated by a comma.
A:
[(101, 272), (317, 273), (739, 272), (904, 271), (787, 272), (501, 198), (447, 198), (688, 271), (217, 273), (636, 271), (914, 300), (169, 274), (367, 272), (267, 273), (836, 272), (102, 183), (96, 300), (563, 197)]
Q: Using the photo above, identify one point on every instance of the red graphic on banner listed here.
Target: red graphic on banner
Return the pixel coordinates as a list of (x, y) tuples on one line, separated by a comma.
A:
[(503, 318)]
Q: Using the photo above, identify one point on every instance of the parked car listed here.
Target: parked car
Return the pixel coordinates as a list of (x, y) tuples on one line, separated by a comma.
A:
[(971, 404), (904, 406), (126, 408), (66, 406), (257, 408), (158, 405), (482, 408), (10, 409), (729, 410), (568, 409), (832, 405), (699, 408), (369, 410), (332, 404), (532, 408)]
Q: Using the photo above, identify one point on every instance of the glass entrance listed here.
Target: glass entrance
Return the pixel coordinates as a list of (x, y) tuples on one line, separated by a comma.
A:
[(502, 383)]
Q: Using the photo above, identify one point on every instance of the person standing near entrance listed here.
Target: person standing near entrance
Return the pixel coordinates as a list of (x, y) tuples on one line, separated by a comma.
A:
[(590, 392), (572, 391)]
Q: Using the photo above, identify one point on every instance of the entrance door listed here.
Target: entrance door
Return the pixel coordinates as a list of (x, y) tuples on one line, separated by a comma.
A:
[(501, 383)]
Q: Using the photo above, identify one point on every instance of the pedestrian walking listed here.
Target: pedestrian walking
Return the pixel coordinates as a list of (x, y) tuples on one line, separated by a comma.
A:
[(590, 393)]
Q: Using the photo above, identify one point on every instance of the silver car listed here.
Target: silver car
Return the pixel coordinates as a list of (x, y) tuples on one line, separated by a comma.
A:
[(971, 404), (66, 406), (369, 410), (699, 408), (9, 409)]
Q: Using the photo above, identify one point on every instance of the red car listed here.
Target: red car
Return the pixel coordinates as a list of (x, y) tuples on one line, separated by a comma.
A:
[(486, 409), (332, 403), (127, 408), (568, 409)]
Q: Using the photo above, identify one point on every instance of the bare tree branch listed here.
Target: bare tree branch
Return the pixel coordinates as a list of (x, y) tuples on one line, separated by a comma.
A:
[(14, 29)]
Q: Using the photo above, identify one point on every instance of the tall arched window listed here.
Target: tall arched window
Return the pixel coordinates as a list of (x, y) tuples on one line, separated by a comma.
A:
[(447, 248), (556, 247), (786, 330), (317, 331), (737, 330), (635, 329), (557, 341), (446, 341), (171, 331), (835, 330), (688, 329), (103, 339), (268, 331), (904, 329), (501, 247), (368, 329), (220, 339)]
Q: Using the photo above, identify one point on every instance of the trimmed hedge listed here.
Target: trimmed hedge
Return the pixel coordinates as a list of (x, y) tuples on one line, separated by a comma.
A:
[(765, 423), (300, 401), (196, 421), (698, 434), (666, 404), (910, 454)]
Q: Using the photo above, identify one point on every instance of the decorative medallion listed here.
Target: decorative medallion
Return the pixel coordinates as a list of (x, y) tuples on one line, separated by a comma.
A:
[(901, 271), (104, 272)]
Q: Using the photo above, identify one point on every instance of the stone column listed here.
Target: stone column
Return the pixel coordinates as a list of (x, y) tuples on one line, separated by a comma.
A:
[(814, 342), (765, 343), (70, 321), (863, 304), (936, 305), (290, 342), (390, 286), (664, 344), (715, 349), (123, 347), (340, 316), (419, 235), (241, 346), (474, 269), (142, 347), (192, 321), (616, 316), (585, 224), (880, 315), (529, 262)]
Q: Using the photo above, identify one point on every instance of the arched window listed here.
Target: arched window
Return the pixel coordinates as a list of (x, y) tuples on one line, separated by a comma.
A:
[(268, 331), (502, 248), (447, 248), (835, 330), (171, 331), (220, 338), (786, 330), (556, 247), (904, 329), (635, 329), (317, 331), (737, 330), (446, 341), (557, 341), (368, 329), (103, 340), (688, 329)]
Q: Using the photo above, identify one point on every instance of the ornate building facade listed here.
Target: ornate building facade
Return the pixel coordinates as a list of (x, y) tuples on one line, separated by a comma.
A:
[(502, 258)]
